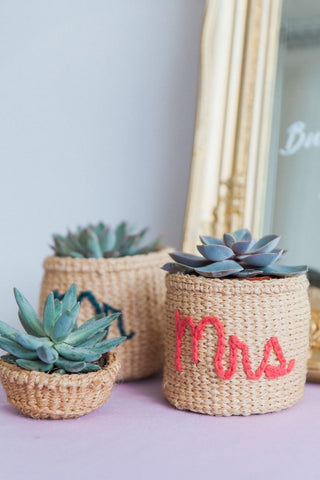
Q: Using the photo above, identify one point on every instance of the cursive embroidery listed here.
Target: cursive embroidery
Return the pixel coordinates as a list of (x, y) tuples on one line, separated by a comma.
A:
[(235, 344), (298, 138), (105, 308)]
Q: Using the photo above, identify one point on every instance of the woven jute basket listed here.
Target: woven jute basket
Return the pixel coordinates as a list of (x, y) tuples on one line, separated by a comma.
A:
[(44, 395), (135, 285), (235, 347)]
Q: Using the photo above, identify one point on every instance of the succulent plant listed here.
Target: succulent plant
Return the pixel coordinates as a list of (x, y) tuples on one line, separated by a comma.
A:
[(57, 344), (95, 241), (237, 255)]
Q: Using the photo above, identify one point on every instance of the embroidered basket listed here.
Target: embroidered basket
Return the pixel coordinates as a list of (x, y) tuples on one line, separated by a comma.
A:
[(134, 285), (235, 347), (43, 395)]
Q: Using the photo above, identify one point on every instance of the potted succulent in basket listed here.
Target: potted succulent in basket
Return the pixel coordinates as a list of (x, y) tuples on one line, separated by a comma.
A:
[(55, 369), (114, 270), (235, 345)]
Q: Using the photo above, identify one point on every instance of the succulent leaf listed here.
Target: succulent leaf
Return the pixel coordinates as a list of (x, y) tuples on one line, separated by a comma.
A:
[(49, 314), (176, 268), (210, 240), (70, 298), (228, 239), (9, 359), (30, 317), (30, 342), (75, 312), (153, 246), (64, 325), (285, 270), (98, 228), (242, 234), (220, 269), (7, 331), (90, 328), (266, 244), (74, 242), (98, 337), (59, 246), (107, 240), (93, 244), (90, 367), (57, 307), (15, 349), (121, 232), (111, 254), (215, 253), (47, 354), (248, 273), (24, 323), (129, 243), (189, 260), (36, 365), (261, 259), (77, 353), (70, 367), (107, 345), (241, 247), (75, 254)]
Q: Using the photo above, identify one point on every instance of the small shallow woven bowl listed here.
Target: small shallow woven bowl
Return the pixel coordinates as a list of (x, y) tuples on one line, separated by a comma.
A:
[(220, 348), (43, 395)]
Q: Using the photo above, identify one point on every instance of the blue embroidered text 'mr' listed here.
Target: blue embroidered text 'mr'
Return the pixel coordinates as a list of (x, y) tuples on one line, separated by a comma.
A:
[(106, 308)]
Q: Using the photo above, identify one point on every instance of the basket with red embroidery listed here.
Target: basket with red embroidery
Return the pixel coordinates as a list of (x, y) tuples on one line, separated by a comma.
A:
[(234, 346)]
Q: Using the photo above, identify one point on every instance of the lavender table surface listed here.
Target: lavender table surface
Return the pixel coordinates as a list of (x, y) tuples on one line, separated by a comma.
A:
[(138, 435)]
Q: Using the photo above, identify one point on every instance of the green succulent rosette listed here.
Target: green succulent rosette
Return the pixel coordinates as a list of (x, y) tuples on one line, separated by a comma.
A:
[(96, 241), (57, 344)]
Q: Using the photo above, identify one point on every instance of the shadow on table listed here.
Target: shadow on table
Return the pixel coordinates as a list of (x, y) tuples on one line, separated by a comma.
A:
[(150, 387), (11, 411)]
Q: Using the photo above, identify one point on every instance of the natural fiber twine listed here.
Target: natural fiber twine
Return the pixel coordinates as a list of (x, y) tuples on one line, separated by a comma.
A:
[(254, 311), (43, 395), (133, 284)]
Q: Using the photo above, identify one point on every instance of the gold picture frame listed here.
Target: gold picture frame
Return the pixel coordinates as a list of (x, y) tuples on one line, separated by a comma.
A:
[(314, 356), (239, 48), (227, 188)]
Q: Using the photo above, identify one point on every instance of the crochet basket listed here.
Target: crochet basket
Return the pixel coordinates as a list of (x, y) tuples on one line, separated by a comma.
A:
[(134, 285), (43, 395), (235, 347)]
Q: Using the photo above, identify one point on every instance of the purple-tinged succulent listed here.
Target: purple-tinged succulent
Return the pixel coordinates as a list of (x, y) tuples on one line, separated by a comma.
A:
[(237, 255)]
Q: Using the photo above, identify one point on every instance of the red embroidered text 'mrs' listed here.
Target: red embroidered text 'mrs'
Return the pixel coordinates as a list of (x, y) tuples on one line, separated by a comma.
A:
[(235, 344)]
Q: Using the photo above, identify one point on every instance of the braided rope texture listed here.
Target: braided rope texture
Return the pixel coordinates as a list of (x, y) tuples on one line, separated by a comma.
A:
[(135, 285), (252, 311), (43, 395)]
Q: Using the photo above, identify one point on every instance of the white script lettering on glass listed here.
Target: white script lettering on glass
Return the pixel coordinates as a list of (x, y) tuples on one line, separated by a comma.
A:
[(298, 138)]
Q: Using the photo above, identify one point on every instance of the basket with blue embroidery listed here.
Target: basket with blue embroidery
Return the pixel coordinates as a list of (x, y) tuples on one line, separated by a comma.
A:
[(237, 328), (133, 285)]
